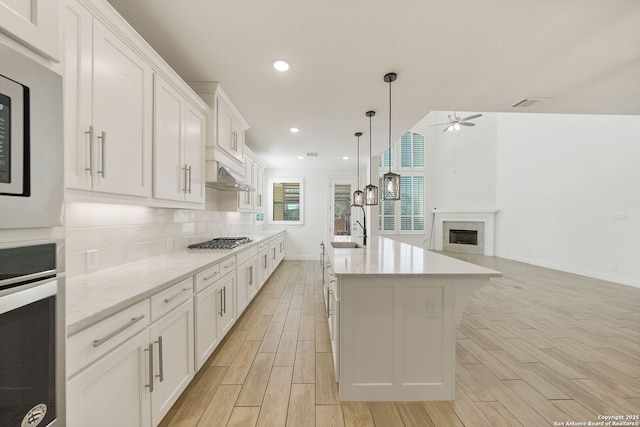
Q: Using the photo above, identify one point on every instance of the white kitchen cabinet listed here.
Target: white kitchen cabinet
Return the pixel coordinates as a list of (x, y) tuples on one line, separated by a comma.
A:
[(264, 262), (172, 338), (108, 108), (207, 338), (245, 198), (34, 23), (247, 284), (115, 391), (179, 134), (230, 130), (334, 324), (258, 180), (225, 289)]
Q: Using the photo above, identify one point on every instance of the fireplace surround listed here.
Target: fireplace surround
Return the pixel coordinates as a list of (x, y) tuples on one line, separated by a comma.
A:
[(481, 221)]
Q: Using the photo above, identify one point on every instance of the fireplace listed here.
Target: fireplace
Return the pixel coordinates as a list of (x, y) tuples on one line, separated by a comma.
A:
[(463, 237), (472, 230)]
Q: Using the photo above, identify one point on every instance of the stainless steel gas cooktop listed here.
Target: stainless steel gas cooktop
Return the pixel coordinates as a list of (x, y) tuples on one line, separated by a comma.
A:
[(221, 243)]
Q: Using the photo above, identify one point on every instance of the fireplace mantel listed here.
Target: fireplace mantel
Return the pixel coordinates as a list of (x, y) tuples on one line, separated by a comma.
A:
[(487, 216)]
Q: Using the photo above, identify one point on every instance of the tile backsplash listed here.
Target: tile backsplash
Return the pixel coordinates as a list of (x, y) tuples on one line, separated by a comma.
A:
[(120, 234)]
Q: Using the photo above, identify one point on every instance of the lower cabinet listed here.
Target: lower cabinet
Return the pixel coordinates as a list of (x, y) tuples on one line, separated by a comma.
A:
[(247, 285), (115, 391), (172, 340), (225, 317)]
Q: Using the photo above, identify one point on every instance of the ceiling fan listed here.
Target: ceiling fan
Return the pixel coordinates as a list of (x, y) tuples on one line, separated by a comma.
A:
[(456, 122)]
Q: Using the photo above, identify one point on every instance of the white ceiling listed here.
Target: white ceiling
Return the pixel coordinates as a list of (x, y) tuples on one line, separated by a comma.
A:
[(478, 56)]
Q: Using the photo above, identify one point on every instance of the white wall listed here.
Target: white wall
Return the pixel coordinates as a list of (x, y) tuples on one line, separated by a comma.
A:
[(303, 241), (561, 181)]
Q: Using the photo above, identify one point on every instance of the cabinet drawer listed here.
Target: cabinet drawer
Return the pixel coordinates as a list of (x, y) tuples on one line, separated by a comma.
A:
[(247, 254), (227, 266), (263, 244), (87, 345), (170, 298), (208, 277)]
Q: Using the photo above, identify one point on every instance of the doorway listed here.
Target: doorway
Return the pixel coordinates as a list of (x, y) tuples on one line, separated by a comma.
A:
[(339, 216)]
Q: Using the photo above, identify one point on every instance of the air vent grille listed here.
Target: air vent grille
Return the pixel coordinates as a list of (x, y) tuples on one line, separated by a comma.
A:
[(529, 102), (312, 154)]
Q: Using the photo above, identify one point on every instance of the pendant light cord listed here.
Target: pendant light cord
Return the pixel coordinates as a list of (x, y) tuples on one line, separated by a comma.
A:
[(358, 164), (370, 149), (389, 155)]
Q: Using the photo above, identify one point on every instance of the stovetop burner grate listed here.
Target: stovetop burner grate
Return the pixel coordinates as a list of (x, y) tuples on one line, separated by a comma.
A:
[(221, 243)]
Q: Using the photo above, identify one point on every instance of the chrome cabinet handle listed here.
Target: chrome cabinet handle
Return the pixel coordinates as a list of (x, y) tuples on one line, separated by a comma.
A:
[(224, 300), (184, 168), (329, 313), (168, 300), (189, 180), (265, 261), (215, 273), (220, 312), (160, 359), (274, 253), (260, 200), (99, 342), (250, 275), (103, 163), (150, 350), (91, 137)]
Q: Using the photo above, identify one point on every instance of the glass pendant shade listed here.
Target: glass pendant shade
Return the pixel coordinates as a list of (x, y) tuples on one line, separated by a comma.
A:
[(370, 191), (371, 195), (391, 186), (390, 180), (358, 198)]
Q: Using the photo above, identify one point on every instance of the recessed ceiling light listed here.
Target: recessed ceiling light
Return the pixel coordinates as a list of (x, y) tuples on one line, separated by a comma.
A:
[(345, 158), (281, 65), (294, 130)]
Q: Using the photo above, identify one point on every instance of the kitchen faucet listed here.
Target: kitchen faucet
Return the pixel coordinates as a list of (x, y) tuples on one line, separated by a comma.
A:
[(364, 227)]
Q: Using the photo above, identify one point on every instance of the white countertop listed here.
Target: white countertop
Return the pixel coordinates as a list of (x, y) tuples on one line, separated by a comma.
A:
[(383, 256), (95, 296)]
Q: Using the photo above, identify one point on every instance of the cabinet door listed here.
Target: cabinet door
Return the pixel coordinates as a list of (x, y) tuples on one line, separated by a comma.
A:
[(334, 328), (258, 174), (122, 116), (77, 52), (245, 198), (194, 141), (172, 338), (238, 139), (168, 173), (225, 290), (263, 267), (206, 316), (224, 130), (252, 279), (33, 22), (114, 391), (241, 288)]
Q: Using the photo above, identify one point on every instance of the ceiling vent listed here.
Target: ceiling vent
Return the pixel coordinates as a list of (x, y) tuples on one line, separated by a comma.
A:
[(312, 154), (529, 102)]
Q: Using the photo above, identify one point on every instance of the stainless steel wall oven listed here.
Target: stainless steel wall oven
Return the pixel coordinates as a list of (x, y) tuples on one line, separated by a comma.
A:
[(31, 335)]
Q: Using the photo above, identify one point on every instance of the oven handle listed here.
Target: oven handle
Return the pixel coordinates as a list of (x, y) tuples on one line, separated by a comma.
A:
[(29, 277), (35, 292)]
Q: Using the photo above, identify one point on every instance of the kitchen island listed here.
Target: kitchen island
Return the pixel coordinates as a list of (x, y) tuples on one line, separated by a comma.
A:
[(393, 310)]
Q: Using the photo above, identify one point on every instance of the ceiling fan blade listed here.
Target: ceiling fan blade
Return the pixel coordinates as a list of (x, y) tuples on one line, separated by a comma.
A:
[(440, 124), (475, 116), (447, 128), (466, 124)]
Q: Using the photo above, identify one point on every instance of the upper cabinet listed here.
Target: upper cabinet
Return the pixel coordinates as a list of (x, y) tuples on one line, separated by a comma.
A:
[(179, 133), (226, 128), (117, 92), (108, 109), (34, 23)]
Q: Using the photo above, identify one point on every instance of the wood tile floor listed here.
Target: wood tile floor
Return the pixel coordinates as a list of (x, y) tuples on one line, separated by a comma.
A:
[(535, 347)]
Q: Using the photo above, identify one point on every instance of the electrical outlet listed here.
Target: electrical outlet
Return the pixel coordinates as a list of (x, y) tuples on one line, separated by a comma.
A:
[(92, 259), (169, 243), (432, 309)]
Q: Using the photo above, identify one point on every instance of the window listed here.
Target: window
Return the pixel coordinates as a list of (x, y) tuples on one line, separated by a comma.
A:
[(287, 201), (407, 214)]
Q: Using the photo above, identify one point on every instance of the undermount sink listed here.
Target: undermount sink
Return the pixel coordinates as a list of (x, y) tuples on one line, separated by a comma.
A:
[(346, 245)]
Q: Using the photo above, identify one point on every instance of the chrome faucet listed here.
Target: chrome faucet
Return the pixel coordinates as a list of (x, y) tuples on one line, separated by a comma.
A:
[(364, 227)]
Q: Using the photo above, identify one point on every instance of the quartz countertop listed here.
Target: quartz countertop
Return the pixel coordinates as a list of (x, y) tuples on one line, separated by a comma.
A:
[(383, 256), (95, 296)]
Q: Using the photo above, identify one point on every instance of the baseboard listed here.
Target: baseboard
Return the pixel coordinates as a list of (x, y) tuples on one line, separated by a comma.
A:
[(567, 269)]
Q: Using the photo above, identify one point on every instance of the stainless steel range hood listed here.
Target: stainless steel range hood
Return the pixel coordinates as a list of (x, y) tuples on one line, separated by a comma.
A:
[(229, 181)]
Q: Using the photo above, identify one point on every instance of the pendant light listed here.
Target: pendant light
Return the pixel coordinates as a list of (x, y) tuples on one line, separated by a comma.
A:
[(390, 180), (358, 196), (370, 191)]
